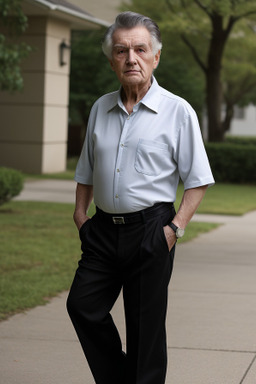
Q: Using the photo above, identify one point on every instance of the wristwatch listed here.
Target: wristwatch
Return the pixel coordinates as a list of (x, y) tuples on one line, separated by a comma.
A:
[(179, 232)]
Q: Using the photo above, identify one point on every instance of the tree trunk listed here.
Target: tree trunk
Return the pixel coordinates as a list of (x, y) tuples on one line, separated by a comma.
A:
[(214, 97), (226, 124), (213, 103)]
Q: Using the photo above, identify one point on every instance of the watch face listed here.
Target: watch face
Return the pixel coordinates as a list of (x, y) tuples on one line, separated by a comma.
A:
[(180, 232)]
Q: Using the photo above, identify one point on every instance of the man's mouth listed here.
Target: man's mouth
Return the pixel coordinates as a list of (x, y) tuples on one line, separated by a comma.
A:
[(131, 71)]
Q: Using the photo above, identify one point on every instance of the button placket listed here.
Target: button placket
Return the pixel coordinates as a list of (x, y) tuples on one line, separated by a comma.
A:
[(119, 159)]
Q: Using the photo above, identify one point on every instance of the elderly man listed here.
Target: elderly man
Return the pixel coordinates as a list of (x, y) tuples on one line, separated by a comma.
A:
[(140, 140)]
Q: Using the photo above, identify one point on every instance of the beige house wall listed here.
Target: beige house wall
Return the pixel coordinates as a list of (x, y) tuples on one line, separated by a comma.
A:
[(33, 126), (103, 9)]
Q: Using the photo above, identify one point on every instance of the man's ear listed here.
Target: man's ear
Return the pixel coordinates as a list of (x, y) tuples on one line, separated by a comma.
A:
[(111, 64), (157, 59)]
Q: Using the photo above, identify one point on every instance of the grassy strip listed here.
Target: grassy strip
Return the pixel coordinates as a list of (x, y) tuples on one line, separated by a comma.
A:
[(39, 248), (39, 251), (226, 199), (67, 175), (194, 229)]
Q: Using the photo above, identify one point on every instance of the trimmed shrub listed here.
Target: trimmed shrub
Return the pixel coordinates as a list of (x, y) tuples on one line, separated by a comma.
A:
[(11, 184), (232, 163), (242, 140)]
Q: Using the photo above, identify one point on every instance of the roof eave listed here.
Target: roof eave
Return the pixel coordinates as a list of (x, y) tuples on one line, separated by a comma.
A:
[(75, 17)]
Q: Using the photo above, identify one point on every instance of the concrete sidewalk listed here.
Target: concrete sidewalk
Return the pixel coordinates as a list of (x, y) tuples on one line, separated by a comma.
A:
[(211, 321), (60, 191)]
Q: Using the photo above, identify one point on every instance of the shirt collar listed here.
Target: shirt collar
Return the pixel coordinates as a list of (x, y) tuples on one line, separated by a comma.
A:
[(151, 100)]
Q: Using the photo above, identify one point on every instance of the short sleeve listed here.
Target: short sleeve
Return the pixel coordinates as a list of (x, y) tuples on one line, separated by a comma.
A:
[(84, 169), (193, 164)]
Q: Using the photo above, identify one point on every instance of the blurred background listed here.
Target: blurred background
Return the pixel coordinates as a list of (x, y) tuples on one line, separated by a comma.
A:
[(53, 69)]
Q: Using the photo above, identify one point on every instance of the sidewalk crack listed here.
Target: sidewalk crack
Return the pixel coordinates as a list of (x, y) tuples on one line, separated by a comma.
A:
[(247, 370)]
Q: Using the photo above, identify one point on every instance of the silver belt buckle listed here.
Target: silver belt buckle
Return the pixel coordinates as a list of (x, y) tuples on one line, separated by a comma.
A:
[(118, 220)]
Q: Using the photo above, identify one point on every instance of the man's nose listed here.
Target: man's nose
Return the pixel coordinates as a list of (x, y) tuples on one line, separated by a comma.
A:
[(131, 57)]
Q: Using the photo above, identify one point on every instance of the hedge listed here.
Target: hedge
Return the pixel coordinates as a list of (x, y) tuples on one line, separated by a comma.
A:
[(243, 140), (11, 184), (233, 163)]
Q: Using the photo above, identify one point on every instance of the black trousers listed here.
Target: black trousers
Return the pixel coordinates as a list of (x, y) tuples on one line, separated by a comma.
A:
[(132, 257)]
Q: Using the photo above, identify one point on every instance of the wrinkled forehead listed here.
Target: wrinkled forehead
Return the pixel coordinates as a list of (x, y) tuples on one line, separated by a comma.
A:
[(137, 36)]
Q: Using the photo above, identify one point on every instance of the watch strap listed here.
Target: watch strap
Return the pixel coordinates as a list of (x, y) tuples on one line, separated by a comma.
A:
[(179, 232), (173, 227)]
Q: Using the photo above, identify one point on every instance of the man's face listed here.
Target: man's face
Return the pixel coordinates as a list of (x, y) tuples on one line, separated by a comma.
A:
[(132, 56)]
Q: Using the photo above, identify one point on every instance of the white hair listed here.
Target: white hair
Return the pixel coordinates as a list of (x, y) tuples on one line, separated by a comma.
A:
[(128, 20)]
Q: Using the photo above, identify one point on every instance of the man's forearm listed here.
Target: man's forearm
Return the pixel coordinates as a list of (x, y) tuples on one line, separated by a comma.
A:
[(84, 196), (188, 206)]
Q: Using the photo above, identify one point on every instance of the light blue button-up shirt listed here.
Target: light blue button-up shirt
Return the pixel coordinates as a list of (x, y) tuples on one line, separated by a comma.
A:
[(134, 161)]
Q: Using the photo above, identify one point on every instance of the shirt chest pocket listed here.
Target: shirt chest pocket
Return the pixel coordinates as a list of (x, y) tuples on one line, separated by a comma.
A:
[(151, 157)]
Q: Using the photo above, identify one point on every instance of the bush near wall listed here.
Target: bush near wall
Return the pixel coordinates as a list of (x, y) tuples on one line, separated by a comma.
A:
[(11, 184), (233, 161)]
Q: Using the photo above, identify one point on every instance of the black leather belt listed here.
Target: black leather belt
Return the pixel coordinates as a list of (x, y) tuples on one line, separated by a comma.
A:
[(133, 217)]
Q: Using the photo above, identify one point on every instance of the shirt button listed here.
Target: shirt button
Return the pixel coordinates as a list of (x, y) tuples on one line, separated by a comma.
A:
[(128, 118), (116, 196), (122, 145), (118, 170)]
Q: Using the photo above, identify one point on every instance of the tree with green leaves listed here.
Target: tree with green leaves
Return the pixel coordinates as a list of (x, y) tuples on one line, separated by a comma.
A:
[(239, 73), (208, 28), (90, 74), (13, 23), (178, 75)]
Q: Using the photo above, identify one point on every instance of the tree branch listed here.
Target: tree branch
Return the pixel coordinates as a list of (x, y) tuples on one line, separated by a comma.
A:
[(203, 7), (231, 22), (183, 4), (233, 94), (194, 53), (249, 13), (170, 6)]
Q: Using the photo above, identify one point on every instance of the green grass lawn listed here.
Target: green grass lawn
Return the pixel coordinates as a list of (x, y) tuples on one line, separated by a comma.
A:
[(39, 248), (39, 244), (226, 199)]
